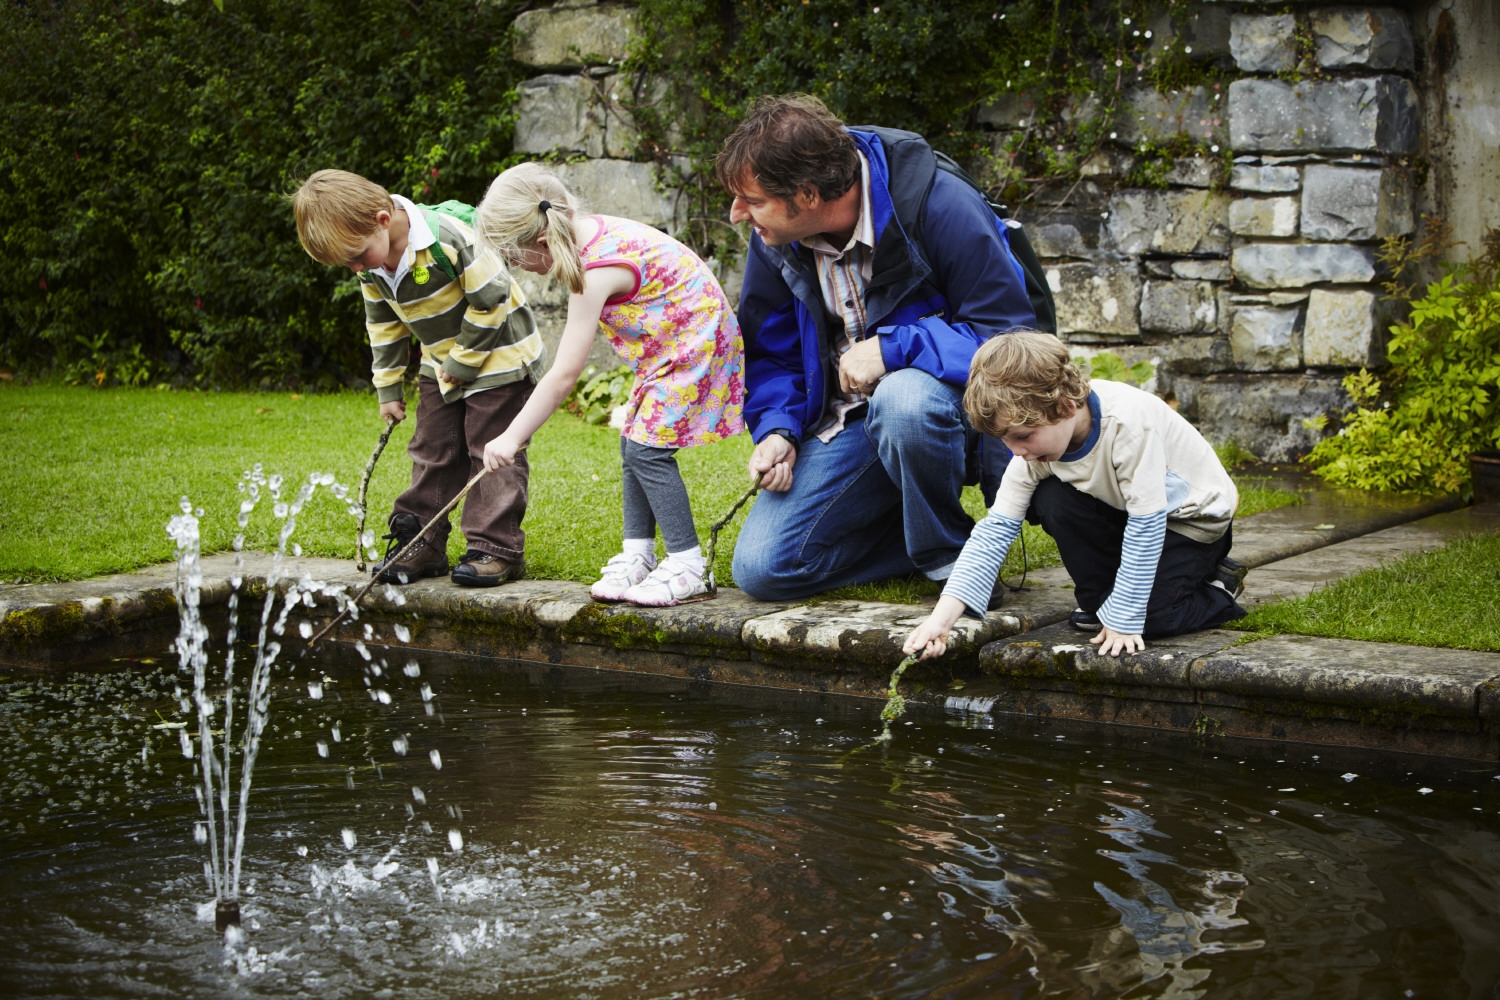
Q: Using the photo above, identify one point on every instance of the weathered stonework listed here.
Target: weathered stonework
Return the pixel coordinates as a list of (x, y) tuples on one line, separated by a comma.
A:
[(1263, 43), (1355, 203), (1363, 38), (1168, 222), (1263, 412), (1343, 328), (1264, 179), (1375, 114), (1194, 110), (1263, 216), (1295, 265), (1182, 307), (619, 187), (1096, 299), (1266, 338), (560, 113), (572, 36)]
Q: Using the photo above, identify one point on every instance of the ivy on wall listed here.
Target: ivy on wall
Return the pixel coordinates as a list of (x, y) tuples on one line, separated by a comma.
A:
[(147, 147)]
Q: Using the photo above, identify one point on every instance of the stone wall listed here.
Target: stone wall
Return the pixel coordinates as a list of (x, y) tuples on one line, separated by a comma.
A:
[(1250, 278)]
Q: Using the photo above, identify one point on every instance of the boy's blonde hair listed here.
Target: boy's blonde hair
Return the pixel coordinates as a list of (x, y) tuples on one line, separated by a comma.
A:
[(336, 212), (1021, 379), (511, 219)]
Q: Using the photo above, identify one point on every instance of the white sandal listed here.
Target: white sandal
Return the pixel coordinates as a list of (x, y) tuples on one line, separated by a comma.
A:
[(673, 582), (621, 573)]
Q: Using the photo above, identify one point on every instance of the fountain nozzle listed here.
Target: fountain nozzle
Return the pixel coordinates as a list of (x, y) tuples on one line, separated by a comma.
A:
[(226, 914)]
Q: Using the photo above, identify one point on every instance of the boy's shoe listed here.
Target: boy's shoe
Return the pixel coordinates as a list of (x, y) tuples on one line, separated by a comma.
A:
[(1085, 621), (422, 561), (618, 575), (1231, 576), (673, 582), (480, 569)]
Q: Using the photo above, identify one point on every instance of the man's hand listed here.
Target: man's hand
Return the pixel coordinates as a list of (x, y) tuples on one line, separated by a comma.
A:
[(394, 410), (860, 367), (500, 452), (773, 457), (1112, 643)]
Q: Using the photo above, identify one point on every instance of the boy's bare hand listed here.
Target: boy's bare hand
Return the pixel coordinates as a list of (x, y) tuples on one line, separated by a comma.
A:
[(444, 378), (393, 410), (773, 457), (1112, 643), (930, 637)]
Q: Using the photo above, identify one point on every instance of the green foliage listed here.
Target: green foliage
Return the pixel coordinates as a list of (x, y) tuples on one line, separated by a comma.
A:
[(598, 393), (1414, 429), (1231, 453), (1111, 367), (147, 147)]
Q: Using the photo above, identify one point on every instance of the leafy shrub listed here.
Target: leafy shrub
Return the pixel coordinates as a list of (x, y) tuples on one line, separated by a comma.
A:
[(1110, 367), (146, 149), (598, 393), (1413, 429)]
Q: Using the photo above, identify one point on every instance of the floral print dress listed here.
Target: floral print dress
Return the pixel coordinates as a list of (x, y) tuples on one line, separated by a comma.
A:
[(677, 332)]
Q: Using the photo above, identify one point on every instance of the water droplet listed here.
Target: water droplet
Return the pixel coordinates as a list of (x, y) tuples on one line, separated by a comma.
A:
[(1349, 776), (301, 850), (402, 632), (297, 548), (399, 745), (1424, 791), (200, 833), (360, 648), (334, 732), (383, 696), (713, 805), (322, 748), (455, 840), (426, 692), (418, 794), (413, 669), (348, 836), (437, 759), (315, 690), (432, 866), (281, 510), (305, 629)]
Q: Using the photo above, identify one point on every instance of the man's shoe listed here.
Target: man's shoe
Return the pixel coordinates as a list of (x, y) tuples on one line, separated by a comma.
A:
[(620, 574), (1085, 621), (480, 569), (422, 561), (1231, 576), (672, 582)]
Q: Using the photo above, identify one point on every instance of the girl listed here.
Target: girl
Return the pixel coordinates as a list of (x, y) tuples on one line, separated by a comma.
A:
[(664, 312)]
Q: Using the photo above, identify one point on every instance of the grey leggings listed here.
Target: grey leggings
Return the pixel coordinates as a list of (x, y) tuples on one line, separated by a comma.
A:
[(655, 494)]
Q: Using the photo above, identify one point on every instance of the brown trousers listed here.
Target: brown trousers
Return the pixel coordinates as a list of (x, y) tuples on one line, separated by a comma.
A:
[(447, 450)]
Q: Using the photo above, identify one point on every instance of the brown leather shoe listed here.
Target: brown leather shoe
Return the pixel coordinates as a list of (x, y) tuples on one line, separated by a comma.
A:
[(422, 561), (480, 569)]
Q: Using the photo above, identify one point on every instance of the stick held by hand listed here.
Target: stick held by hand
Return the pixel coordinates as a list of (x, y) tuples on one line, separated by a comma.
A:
[(364, 488)]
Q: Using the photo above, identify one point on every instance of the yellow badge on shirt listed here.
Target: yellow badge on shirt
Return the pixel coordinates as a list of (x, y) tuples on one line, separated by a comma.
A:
[(420, 274)]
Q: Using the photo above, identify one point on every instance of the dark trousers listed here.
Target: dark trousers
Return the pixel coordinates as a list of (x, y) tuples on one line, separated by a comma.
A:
[(447, 449), (1089, 535)]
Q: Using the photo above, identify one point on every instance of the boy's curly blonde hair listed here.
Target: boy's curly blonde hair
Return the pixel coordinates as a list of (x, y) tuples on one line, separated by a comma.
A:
[(1021, 380), (336, 212)]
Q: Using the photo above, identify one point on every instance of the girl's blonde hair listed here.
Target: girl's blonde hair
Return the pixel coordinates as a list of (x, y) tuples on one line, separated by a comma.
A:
[(1021, 380), (512, 217), (335, 212)]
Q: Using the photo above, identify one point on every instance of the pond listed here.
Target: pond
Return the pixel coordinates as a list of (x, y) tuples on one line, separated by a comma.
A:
[(590, 834)]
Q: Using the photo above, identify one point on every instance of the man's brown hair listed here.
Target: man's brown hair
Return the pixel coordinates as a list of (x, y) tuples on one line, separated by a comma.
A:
[(790, 143), (336, 212), (1022, 379)]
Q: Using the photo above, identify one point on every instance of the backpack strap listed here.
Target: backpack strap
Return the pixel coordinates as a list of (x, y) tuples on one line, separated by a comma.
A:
[(439, 257)]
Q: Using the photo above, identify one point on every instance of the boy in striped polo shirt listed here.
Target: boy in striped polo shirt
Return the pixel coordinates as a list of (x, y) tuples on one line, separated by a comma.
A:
[(424, 276), (1139, 504)]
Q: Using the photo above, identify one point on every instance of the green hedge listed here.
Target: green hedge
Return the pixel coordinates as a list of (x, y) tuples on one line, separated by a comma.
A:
[(147, 147)]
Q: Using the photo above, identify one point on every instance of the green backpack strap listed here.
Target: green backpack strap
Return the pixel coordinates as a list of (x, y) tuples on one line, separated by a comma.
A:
[(463, 212)]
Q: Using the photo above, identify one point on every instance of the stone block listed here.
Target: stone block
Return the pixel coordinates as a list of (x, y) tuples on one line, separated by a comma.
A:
[(1193, 171), (1374, 114), (1099, 299), (1263, 216), (559, 113), (1263, 412), (1297, 265), (1179, 307), (1344, 329), (1202, 270), (1198, 111), (1263, 43), (1168, 222), (570, 37), (619, 187), (1263, 178), (1355, 203), (1057, 239), (1266, 338), (1363, 38), (1107, 162)]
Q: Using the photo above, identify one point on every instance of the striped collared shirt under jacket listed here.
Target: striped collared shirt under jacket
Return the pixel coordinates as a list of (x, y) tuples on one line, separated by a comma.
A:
[(477, 328)]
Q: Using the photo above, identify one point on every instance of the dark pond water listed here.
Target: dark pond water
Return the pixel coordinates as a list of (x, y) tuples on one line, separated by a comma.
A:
[(597, 837)]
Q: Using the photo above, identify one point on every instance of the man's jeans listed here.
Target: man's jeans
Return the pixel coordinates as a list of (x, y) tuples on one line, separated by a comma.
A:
[(879, 500)]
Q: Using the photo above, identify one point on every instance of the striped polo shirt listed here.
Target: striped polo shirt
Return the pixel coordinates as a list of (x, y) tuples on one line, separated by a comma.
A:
[(476, 327)]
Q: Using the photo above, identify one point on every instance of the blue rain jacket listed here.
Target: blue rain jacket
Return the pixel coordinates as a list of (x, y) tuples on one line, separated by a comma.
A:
[(932, 300)]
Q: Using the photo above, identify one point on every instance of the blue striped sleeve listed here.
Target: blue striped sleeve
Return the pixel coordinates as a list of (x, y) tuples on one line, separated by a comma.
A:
[(1140, 551), (978, 566)]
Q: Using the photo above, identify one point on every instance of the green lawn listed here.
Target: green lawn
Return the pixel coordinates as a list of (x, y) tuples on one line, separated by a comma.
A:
[(92, 476), (1445, 597)]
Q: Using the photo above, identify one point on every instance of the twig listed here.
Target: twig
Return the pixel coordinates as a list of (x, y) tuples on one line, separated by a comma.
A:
[(717, 526), (397, 557), (364, 487)]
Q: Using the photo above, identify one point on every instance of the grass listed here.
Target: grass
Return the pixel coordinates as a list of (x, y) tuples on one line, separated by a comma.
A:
[(1444, 597), (92, 476)]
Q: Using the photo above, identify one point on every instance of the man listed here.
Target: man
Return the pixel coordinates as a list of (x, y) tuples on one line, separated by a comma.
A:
[(872, 278)]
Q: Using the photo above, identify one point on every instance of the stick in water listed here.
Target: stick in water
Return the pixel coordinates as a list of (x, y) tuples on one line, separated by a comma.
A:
[(717, 526), (364, 487), (397, 557)]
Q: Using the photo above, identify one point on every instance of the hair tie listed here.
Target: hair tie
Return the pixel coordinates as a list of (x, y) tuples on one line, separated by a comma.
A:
[(544, 206)]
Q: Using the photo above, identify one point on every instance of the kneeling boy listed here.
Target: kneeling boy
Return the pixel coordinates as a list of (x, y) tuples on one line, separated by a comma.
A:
[(423, 275), (1137, 500)]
